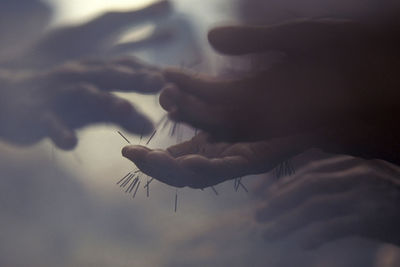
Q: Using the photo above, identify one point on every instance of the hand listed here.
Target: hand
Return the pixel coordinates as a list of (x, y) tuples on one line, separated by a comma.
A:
[(93, 38), (333, 199), (329, 78), (201, 162), (55, 103)]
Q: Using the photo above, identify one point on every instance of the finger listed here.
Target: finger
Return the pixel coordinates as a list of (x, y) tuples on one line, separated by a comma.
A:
[(329, 165), (350, 174), (133, 63), (268, 154), (204, 145), (158, 36), (138, 155), (130, 62), (239, 40), (218, 162), (262, 185), (212, 171), (62, 136), (185, 148), (111, 77), (135, 153), (192, 110), (320, 208), (308, 186), (292, 37), (159, 165), (96, 34), (191, 170), (84, 104), (331, 230), (263, 156), (119, 20), (204, 87)]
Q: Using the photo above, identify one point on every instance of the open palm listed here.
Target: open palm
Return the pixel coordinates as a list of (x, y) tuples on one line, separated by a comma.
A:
[(202, 162)]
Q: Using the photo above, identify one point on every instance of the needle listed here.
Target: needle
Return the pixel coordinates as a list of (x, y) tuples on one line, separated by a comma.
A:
[(123, 137), (123, 178), (176, 199), (151, 137), (215, 191)]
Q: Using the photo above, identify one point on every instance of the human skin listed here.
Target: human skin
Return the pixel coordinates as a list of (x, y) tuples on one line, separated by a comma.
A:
[(330, 199), (337, 75), (88, 39), (339, 96), (322, 95), (202, 162), (56, 102)]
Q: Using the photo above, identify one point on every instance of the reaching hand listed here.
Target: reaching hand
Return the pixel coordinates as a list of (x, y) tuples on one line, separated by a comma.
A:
[(54, 103), (93, 38), (333, 199), (201, 162), (335, 72)]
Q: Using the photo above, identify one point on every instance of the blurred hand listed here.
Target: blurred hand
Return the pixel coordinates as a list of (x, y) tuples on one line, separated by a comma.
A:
[(332, 199), (202, 162), (93, 38), (334, 73), (55, 103)]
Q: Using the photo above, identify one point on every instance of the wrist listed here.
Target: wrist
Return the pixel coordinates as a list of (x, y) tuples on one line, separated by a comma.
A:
[(372, 139)]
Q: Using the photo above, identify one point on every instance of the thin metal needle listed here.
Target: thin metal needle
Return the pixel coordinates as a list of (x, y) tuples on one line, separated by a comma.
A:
[(161, 121), (215, 191), (149, 182), (151, 137), (126, 139), (176, 199), (134, 184), (147, 189), (137, 187), (123, 178), (238, 181), (130, 186), (141, 135), (127, 180), (173, 129), (165, 124), (242, 185)]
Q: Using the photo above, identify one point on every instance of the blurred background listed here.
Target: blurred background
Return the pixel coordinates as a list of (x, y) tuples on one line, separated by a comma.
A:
[(64, 208)]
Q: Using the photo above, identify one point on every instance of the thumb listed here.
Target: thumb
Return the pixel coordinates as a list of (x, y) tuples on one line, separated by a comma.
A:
[(239, 40), (291, 37)]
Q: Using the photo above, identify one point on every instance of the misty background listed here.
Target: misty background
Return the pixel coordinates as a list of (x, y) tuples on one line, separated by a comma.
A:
[(63, 208)]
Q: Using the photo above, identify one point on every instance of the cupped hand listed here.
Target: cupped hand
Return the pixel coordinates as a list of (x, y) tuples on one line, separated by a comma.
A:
[(335, 72), (202, 162), (332, 199), (57, 102)]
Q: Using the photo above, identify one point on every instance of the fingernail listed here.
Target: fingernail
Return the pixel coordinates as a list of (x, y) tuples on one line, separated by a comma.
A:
[(169, 98), (125, 151), (69, 141), (134, 153)]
